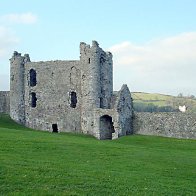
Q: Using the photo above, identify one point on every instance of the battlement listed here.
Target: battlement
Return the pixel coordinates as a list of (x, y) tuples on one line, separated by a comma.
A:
[(16, 54), (95, 44), (94, 48), (22, 59)]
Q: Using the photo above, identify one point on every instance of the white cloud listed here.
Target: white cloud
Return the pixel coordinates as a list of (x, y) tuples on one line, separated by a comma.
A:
[(23, 18), (7, 41), (7, 38), (163, 65)]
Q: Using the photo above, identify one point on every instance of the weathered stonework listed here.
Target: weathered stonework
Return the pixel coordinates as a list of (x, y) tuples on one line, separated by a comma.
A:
[(4, 102), (70, 96), (168, 124)]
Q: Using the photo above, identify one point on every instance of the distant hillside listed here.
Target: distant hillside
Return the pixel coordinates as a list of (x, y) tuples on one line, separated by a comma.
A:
[(154, 102)]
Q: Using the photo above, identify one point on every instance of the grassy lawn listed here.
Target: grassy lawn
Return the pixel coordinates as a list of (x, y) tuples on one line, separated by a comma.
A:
[(42, 163), (163, 100)]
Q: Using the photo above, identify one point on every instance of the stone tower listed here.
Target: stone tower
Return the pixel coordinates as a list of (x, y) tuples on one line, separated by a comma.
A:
[(96, 82), (17, 89)]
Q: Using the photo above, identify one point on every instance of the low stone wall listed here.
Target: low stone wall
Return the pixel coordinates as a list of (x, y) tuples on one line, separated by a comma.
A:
[(4, 102), (168, 124)]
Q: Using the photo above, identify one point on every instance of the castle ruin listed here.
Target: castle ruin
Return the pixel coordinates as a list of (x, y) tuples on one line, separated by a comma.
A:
[(70, 96)]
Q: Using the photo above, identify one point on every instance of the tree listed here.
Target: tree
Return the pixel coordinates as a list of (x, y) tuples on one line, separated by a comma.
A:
[(180, 95)]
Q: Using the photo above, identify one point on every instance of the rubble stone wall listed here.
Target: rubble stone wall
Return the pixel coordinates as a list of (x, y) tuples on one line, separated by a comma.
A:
[(4, 102), (168, 124)]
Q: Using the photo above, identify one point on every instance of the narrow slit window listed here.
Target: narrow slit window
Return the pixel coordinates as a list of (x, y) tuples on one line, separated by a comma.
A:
[(89, 60), (73, 98), (33, 79), (33, 100)]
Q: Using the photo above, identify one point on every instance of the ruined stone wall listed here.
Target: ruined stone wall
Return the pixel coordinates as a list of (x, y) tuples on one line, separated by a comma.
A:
[(175, 124), (56, 82), (4, 102), (124, 108)]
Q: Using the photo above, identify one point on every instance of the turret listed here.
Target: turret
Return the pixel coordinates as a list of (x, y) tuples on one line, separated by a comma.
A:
[(90, 75), (17, 89), (96, 82), (97, 76)]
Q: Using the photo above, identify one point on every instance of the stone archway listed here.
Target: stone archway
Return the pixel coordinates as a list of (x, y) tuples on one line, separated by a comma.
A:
[(106, 127)]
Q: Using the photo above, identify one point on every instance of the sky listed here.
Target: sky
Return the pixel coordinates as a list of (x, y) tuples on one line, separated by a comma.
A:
[(153, 42)]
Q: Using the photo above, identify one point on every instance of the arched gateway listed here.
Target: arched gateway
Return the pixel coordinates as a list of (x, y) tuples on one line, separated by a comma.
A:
[(106, 127)]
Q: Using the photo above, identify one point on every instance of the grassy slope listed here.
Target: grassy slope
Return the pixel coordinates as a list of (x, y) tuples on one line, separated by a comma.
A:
[(40, 163), (157, 99), (163, 100)]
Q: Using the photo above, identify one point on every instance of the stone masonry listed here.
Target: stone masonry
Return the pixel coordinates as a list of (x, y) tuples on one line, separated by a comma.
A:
[(167, 124), (4, 102), (70, 96)]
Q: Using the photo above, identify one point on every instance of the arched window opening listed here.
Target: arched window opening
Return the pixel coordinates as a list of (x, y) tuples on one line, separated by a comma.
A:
[(33, 100), (73, 98), (33, 80), (74, 75), (106, 127), (54, 128), (89, 60)]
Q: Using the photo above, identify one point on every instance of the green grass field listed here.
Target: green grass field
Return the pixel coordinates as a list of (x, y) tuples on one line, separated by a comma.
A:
[(42, 163), (161, 100), (156, 99)]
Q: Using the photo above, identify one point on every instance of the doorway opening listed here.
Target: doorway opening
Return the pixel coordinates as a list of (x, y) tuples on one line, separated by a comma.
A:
[(106, 127), (54, 128)]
